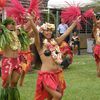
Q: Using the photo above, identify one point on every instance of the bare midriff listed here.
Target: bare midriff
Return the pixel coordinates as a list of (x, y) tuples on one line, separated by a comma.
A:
[(8, 52), (98, 40), (98, 37), (48, 64)]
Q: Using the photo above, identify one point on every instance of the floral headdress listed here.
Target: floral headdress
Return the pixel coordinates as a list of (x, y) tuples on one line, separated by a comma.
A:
[(46, 26)]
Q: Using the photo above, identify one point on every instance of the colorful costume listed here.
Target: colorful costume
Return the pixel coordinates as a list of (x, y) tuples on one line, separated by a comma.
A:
[(66, 50), (54, 49), (51, 79), (97, 48), (25, 54), (97, 53), (9, 65), (25, 60), (54, 80)]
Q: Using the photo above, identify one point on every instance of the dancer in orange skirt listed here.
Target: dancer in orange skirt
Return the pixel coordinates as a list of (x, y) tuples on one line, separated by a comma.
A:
[(26, 58), (67, 54), (25, 54)]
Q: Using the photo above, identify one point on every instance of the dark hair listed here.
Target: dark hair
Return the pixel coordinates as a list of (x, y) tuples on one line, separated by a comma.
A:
[(37, 60), (42, 37), (33, 48), (8, 21)]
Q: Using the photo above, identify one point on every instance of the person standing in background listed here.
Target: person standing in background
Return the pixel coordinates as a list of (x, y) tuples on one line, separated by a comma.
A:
[(62, 28), (75, 43)]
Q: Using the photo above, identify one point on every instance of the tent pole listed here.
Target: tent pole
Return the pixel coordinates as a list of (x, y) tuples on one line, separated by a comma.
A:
[(57, 19), (48, 17), (3, 14)]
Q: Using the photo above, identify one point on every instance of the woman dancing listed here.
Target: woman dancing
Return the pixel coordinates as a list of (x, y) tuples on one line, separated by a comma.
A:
[(50, 81), (10, 70)]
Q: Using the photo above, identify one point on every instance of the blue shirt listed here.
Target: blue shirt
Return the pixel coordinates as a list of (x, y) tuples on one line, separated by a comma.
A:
[(62, 28)]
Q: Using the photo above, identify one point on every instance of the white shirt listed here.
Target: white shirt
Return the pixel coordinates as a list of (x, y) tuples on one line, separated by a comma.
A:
[(62, 28)]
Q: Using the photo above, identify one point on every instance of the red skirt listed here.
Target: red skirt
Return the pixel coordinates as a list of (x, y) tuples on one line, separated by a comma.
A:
[(8, 65), (53, 80), (25, 60), (97, 53), (66, 50)]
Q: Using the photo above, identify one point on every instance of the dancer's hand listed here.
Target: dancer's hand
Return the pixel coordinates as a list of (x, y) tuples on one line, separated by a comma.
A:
[(78, 19), (94, 18), (29, 16)]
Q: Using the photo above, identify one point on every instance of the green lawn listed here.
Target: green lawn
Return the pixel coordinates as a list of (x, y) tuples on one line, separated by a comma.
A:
[(82, 82)]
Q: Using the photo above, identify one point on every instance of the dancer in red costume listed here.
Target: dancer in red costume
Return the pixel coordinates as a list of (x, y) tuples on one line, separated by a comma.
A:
[(50, 82), (11, 43), (96, 32), (67, 54), (17, 12), (10, 69), (25, 54)]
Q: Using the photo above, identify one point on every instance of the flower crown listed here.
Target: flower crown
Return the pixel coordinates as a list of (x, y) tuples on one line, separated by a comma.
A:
[(46, 26)]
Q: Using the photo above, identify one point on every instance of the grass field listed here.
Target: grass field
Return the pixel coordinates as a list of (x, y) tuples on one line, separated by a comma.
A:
[(82, 82)]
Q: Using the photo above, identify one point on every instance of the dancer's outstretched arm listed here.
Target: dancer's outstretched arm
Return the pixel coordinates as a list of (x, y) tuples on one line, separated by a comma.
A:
[(35, 31), (68, 31)]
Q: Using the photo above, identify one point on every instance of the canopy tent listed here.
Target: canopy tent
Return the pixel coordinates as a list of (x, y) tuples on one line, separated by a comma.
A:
[(58, 4)]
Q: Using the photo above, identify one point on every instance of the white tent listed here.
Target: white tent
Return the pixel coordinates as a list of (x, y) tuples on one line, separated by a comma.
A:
[(58, 4)]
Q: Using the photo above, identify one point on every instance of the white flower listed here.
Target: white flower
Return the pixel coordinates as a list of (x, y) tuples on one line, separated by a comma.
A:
[(45, 41), (5, 71)]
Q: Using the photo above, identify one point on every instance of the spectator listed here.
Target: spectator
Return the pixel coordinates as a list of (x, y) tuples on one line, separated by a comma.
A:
[(62, 28), (75, 43)]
